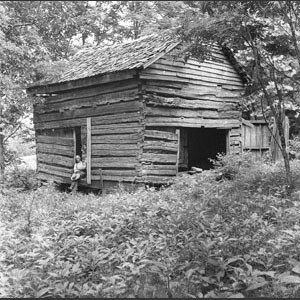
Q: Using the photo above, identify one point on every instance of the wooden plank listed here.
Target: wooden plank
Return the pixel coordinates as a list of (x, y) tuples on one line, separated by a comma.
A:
[(114, 152), (117, 89), (158, 167), (54, 140), (188, 113), (114, 162), (191, 79), (159, 145), (55, 170), (192, 74), (51, 177), (83, 103), (131, 106), (56, 159), (159, 157), (88, 150), (201, 94), (110, 147), (157, 134), (117, 172), (201, 70), (207, 66), (117, 178), (177, 102), (118, 118), (116, 126), (247, 123), (55, 149), (60, 124), (116, 130), (161, 172), (74, 143), (228, 139), (122, 138), (178, 150), (192, 122), (122, 118), (80, 83)]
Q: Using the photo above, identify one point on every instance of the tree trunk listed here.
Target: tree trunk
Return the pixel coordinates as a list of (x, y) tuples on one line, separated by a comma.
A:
[(279, 124), (1, 156)]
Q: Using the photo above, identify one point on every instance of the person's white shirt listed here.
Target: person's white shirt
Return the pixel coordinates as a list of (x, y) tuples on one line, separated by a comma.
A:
[(80, 166)]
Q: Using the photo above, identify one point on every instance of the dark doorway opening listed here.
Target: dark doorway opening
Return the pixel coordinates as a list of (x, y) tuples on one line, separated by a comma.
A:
[(205, 143), (78, 145)]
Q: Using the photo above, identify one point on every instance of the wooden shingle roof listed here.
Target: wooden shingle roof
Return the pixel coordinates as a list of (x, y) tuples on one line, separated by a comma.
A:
[(131, 55)]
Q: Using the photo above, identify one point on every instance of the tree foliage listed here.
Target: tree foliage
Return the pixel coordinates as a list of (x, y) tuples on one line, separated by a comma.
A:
[(264, 36)]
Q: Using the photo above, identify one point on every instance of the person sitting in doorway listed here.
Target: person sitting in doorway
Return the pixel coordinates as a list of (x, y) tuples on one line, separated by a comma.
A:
[(79, 172)]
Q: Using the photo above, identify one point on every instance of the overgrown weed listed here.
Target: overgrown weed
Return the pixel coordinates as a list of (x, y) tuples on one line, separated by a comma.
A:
[(201, 237)]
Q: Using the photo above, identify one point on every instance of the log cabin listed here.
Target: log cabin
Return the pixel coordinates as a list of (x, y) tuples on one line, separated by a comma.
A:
[(137, 113)]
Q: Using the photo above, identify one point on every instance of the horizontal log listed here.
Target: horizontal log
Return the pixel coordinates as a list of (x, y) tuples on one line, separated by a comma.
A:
[(191, 122), (131, 179), (82, 82), (119, 173), (190, 104), (157, 134), (60, 124), (119, 88), (177, 102), (159, 145), (56, 160), (55, 149), (116, 130), (84, 102), (116, 126), (159, 157), (54, 140), (107, 109), (204, 94), (114, 162), (116, 137), (146, 166), (55, 170), (51, 177), (190, 79), (114, 152), (188, 113), (160, 172), (118, 118), (110, 147)]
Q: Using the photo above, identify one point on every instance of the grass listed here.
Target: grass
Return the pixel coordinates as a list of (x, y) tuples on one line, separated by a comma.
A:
[(200, 237)]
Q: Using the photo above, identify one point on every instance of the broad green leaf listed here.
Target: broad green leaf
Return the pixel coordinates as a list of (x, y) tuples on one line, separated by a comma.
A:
[(290, 279)]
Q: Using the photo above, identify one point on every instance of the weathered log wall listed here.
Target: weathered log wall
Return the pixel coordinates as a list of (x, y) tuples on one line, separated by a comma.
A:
[(159, 156), (116, 131), (193, 94)]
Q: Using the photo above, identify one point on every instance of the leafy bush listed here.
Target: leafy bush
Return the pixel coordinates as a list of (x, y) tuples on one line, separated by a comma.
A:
[(294, 148), (197, 238), (20, 177), (229, 165)]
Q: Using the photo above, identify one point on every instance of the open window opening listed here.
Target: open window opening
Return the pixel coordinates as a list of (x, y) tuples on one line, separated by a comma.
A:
[(199, 145)]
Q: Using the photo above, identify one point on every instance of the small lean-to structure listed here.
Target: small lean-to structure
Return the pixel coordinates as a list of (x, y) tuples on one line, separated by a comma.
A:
[(138, 113)]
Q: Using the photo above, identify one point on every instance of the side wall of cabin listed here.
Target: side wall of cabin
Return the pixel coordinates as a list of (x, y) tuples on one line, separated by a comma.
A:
[(180, 98), (103, 123)]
